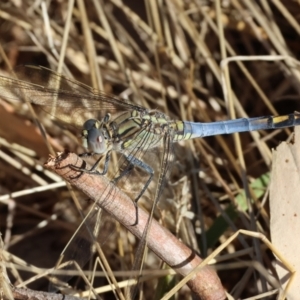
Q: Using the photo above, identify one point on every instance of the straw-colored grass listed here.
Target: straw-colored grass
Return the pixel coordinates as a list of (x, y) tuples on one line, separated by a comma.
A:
[(200, 61)]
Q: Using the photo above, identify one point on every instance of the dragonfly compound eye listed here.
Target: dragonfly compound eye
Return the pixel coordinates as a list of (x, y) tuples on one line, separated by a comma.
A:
[(93, 137), (91, 123)]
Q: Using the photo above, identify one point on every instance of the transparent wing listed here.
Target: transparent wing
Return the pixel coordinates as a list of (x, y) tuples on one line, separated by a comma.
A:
[(166, 155), (67, 100)]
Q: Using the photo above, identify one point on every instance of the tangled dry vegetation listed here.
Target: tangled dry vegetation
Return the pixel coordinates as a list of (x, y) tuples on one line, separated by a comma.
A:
[(201, 61)]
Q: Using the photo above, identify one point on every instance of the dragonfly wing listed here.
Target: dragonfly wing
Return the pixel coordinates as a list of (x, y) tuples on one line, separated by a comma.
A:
[(63, 98), (166, 156)]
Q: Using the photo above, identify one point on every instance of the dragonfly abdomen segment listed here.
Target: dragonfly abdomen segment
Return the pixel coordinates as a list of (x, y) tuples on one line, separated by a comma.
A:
[(195, 130)]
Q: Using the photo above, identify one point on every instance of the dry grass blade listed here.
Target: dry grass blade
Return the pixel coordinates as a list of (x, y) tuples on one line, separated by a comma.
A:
[(172, 56), (5, 285)]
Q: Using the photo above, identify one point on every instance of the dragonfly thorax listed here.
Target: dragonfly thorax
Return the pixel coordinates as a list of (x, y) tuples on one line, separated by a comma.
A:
[(95, 136)]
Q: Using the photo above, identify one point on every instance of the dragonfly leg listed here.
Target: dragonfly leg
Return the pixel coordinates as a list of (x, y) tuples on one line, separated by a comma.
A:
[(135, 162), (93, 169)]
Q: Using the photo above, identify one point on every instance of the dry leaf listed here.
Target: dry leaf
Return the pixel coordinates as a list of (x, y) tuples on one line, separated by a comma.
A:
[(285, 209)]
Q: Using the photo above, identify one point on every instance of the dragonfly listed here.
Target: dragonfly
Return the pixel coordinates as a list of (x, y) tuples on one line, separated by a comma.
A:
[(109, 124)]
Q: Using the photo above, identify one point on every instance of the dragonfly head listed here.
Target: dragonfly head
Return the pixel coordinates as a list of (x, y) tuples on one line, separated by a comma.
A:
[(95, 137)]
